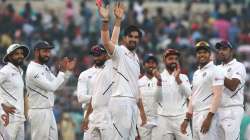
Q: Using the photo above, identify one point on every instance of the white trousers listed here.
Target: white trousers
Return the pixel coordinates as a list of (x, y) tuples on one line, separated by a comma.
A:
[(198, 119), (229, 122), (3, 133), (16, 130), (124, 112), (43, 124), (100, 125), (147, 133), (169, 129)]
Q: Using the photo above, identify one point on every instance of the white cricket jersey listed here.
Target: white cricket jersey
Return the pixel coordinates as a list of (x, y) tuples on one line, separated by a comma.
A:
[(234, 69), (12, 90), (174, 96), (41, 84), (126, 71), (148, 90), (84, 85), (102, 84), (203, 81)]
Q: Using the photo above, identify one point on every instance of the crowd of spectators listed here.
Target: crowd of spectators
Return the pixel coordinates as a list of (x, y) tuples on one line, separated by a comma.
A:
[(74, 33)]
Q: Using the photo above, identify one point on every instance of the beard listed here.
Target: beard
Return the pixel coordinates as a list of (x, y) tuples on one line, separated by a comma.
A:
[(18, 62), (99, 63), (149, 70), (171, 66), (43, 60), (131, 45)]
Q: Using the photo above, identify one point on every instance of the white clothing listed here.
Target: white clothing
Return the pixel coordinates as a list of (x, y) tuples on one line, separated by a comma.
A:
[(41, 84), (126, 72), (212, 133), (172, 107), (169, 129), (84, 85), (12, 94), (124, 112), (231, 111), (148, 90), (234, 69), (100, 123), (229, 122), (12, 90), (203, 81), (16, 130), (43, 124), (125, 92), (174, 96)]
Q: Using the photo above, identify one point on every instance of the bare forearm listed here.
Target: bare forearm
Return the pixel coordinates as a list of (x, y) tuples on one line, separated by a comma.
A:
[(190, 109), (116, 31), (89, 110), (105, 32), (109, 46), (216, 98), (141, 107)]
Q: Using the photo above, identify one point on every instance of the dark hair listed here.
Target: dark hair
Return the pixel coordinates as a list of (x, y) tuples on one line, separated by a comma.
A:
[(132, 28)]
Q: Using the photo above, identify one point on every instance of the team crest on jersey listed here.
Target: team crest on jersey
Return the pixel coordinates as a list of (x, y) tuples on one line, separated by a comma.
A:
[(228, 70), (204, 74)]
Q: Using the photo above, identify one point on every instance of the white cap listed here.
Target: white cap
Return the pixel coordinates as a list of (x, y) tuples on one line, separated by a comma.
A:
[(12, 48)]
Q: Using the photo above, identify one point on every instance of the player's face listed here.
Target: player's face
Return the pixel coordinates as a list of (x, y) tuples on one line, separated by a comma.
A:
[(43, 55), (149, 66), (100, 60), (203, 56), (17, 57), (224, 54), (171, 62), (131, 40)]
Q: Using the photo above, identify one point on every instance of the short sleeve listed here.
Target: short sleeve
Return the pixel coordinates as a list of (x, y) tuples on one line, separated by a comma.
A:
[(117, 52), (239, 73), (218, 77)]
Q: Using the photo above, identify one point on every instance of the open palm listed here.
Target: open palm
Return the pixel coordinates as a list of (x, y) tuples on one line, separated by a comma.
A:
[(119, 10), (104, 12)]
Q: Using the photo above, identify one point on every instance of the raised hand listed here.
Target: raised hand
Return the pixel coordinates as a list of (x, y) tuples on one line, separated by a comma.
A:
[(176, 73), (119, 10), (156, 73), (103, 11), (71, 64)]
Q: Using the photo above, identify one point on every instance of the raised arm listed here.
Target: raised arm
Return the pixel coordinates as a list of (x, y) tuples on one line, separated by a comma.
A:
[(104, 13), (119, 13)]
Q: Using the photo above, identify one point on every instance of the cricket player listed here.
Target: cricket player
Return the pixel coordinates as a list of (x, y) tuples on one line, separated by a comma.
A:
[(173, 105), (148, 90), (41, 84), (97, 121), (231, 111), (206, 95), (12, 89), (84, 85), (124, 100)]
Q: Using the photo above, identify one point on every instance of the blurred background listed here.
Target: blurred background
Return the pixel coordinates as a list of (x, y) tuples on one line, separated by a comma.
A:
[(73, 26)]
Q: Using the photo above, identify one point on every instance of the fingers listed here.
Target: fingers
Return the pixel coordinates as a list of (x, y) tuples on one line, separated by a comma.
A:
[(98, 3), (12, 110), (183, 128), (5, 118), (204, 129)]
